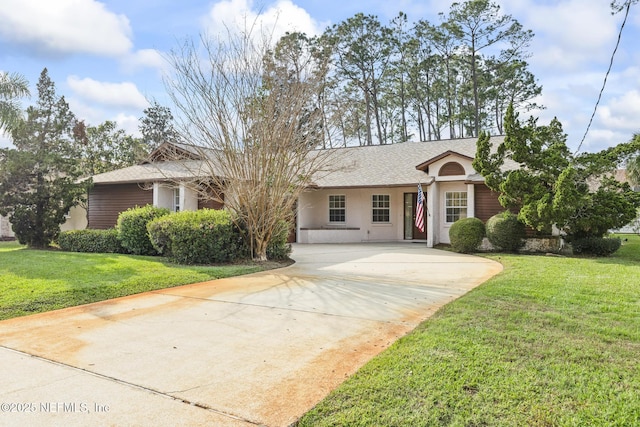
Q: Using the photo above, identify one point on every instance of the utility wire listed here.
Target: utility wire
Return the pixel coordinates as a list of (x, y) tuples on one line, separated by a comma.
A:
[(604, 83)]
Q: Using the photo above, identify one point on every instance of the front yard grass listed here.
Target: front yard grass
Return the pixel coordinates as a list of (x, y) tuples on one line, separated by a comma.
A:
[(33, 281), (550, 341)]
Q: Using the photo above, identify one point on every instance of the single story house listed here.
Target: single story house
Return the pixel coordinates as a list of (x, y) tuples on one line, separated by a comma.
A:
[(373, 193), (153, 182), (369, 197)]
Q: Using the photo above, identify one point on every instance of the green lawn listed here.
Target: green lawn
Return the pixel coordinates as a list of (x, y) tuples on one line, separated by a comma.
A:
[(548, 342), (33, 281)]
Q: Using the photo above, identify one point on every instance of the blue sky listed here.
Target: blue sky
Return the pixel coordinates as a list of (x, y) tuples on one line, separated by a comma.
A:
[(106, 57)]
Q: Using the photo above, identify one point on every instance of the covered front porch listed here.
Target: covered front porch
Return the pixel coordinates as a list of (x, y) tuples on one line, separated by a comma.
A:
[(354, 215), (388, 214)]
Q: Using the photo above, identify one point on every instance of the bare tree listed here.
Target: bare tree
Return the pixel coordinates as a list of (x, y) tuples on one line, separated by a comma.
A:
[(256, 124)]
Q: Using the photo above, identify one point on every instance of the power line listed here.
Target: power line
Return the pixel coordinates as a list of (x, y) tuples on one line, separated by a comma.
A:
[(604, 83)]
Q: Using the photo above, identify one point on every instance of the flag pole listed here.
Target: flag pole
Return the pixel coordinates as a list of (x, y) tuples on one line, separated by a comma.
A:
[(426, 209), (421, 220)]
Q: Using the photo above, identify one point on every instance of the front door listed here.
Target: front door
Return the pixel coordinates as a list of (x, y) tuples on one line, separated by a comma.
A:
[(411, 232)]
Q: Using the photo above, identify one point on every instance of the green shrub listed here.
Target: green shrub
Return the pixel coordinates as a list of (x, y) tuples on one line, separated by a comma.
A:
[(466, 234), (132, 228), (98, 241), (196, 237), (279, 248), (598, 246), (159, 234), (505, 231)]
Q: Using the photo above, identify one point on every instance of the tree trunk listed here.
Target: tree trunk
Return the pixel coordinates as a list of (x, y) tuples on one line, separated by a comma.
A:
[(474, 81), (260, 250)]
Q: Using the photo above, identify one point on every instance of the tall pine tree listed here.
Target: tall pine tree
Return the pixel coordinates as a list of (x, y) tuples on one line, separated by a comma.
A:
[(38, 178)]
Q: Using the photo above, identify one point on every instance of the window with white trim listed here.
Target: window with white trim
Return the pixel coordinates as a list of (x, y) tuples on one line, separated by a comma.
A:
[(337, 208), (381, 206), (455, 205), (176, 199)]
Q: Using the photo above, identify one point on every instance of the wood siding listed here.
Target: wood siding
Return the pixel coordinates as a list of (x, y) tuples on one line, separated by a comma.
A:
[(451, 169), (107, 201), (486, 203), (209, 204)]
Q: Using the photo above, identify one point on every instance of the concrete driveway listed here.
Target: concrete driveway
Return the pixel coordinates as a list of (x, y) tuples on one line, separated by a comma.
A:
[(260, 349)]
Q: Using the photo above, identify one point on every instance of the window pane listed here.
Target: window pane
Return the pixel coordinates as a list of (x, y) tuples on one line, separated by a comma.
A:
[(381, 206), (455, 205), (381, 215), (337, 208), (176, 199), (408, 216), (336, 215)]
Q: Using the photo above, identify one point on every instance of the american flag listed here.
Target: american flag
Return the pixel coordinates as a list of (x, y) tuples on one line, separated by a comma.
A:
[(420, 210)]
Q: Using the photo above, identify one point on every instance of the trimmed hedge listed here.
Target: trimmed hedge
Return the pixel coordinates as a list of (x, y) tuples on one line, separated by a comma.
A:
[(466, 234), (505, 231), (132, 228), (95, 241), (598, 246), (197, 237)]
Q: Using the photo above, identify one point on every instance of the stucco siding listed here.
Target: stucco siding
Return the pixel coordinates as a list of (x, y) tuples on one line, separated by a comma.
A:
[(314, 225), (447, 173), (445, 226), (76, 219)]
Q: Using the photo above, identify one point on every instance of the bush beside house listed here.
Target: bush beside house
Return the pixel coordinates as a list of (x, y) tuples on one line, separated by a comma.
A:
[(95, 241), (466, 234), (598, 246), (132, 228), (197, 237), (505, 231), (190, 237)]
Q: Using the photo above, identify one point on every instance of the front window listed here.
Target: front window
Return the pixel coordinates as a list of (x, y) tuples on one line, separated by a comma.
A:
[(455, 205), (176, 199), (381, 206), (337, 208)]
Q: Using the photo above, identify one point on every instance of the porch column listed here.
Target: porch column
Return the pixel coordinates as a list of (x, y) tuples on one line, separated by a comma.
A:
[(188, 198), (297, 224), (156, 194), (432, 214), (471, 200)]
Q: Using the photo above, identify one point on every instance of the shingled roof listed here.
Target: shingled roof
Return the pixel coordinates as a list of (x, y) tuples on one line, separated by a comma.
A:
[(367, 166), (151, 172), (391, 165)]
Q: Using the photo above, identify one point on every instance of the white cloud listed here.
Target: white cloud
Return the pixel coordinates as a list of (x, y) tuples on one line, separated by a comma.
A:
[(129, 123), (573, 43), (94, 115), (65, 27), (622, 112), (239, 15), (89, 113), (600, 139), (568, 33), (124, 95), (144, 58)]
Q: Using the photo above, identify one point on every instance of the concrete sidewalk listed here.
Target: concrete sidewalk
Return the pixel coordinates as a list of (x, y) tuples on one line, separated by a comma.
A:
[(260, 349)]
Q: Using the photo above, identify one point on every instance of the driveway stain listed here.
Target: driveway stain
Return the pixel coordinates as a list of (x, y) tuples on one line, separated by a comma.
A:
[(260, 349)]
